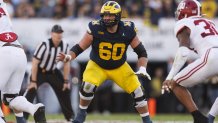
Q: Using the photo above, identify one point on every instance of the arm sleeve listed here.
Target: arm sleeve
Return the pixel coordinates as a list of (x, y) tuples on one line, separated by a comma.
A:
[(179, 61)]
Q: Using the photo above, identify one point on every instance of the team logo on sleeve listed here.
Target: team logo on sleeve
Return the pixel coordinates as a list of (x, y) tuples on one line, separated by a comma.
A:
[(95, 22), (8, 37), (2, 12), (127, 23)]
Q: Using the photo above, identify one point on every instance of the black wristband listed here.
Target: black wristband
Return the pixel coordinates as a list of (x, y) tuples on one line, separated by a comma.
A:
[(140, 51), (33, 81), (66, 81)]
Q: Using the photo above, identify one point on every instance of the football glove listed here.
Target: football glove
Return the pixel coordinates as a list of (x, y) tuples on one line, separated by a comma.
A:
[(142, 71)]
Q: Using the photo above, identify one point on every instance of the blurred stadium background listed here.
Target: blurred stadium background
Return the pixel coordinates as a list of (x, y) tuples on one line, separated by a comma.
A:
[(154, 19)]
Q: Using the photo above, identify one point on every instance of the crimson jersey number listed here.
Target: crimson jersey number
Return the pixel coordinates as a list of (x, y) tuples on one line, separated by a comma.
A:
[(209, 27), (109, 51)]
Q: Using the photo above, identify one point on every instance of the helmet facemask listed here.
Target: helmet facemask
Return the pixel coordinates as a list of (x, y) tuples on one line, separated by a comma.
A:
[(110, 22)]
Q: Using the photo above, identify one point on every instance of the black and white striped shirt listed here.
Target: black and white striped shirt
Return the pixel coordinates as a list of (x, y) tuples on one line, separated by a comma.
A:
[(46, 52)]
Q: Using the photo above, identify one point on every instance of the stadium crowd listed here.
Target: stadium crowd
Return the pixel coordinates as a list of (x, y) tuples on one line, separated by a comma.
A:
[(150, 10)]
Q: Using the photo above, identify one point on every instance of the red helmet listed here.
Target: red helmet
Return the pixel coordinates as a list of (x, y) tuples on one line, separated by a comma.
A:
[(188, 8)]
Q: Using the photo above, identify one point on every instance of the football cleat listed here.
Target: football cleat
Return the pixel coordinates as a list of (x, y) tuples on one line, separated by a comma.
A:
[(39, 115)]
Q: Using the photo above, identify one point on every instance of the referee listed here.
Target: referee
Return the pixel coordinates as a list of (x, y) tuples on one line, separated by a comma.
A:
[(44, 70)]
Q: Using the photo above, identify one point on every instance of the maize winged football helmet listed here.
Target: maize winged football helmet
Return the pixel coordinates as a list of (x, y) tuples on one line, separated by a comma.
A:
[(110, 8)]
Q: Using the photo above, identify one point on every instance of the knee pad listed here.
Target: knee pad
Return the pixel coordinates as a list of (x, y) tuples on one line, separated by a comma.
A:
[(8, 97), (139, 97), (87, 91)]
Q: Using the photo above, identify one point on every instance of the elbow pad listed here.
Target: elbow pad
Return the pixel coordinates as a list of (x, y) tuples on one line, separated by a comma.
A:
[(76, 49), (179, 61)]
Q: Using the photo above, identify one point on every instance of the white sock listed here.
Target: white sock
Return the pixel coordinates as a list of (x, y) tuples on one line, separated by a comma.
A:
[(20, 103), (18, 114), (214, 108)]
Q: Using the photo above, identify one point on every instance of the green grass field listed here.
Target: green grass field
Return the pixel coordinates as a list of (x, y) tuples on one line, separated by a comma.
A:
[(117, 118)]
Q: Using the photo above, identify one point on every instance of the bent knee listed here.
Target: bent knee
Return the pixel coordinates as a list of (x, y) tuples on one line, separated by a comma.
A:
[(87, 91), (139, 97)]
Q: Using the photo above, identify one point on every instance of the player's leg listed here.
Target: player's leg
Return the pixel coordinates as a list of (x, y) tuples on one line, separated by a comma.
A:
[(6, 71), (2, 118), (19, 117), (12, 88), (86, 95), (184, 96), (93, 76), (130, 83), (19, 104), (56, 81), (141, 104), (213, 111), (193, 74), (29, 95), (32, 92)]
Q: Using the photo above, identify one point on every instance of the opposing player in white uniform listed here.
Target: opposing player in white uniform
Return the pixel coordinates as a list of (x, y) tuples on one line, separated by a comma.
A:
[(198, 34), (12, 68)]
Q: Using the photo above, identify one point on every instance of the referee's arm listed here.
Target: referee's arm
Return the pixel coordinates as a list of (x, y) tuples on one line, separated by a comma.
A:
[(35, 63), (66, 71), (34, 71)]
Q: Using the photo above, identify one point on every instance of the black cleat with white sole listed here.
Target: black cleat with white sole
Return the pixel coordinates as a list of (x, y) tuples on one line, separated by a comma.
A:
[(39, 115)]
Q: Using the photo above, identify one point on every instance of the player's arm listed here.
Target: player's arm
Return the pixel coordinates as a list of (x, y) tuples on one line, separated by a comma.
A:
[(82, 45), (77, 49), (139, 49), (182, 53)]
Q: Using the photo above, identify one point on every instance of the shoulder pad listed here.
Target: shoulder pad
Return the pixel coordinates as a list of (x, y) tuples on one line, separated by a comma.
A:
[(181, 24), (92, 25), (130, 25), (129, 28), (127, 23)]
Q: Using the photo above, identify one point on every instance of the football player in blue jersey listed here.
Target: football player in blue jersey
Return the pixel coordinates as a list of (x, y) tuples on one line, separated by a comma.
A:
[(109, 38)]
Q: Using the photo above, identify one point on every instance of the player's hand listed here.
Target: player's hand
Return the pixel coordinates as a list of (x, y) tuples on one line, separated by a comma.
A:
[(142, 71), (63, 57), (66, 86), (60, 57), (166, 86), (32, 85)]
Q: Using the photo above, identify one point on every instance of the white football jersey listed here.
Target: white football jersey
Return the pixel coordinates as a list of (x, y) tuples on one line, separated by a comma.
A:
[(5, 22), (203, 33)]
